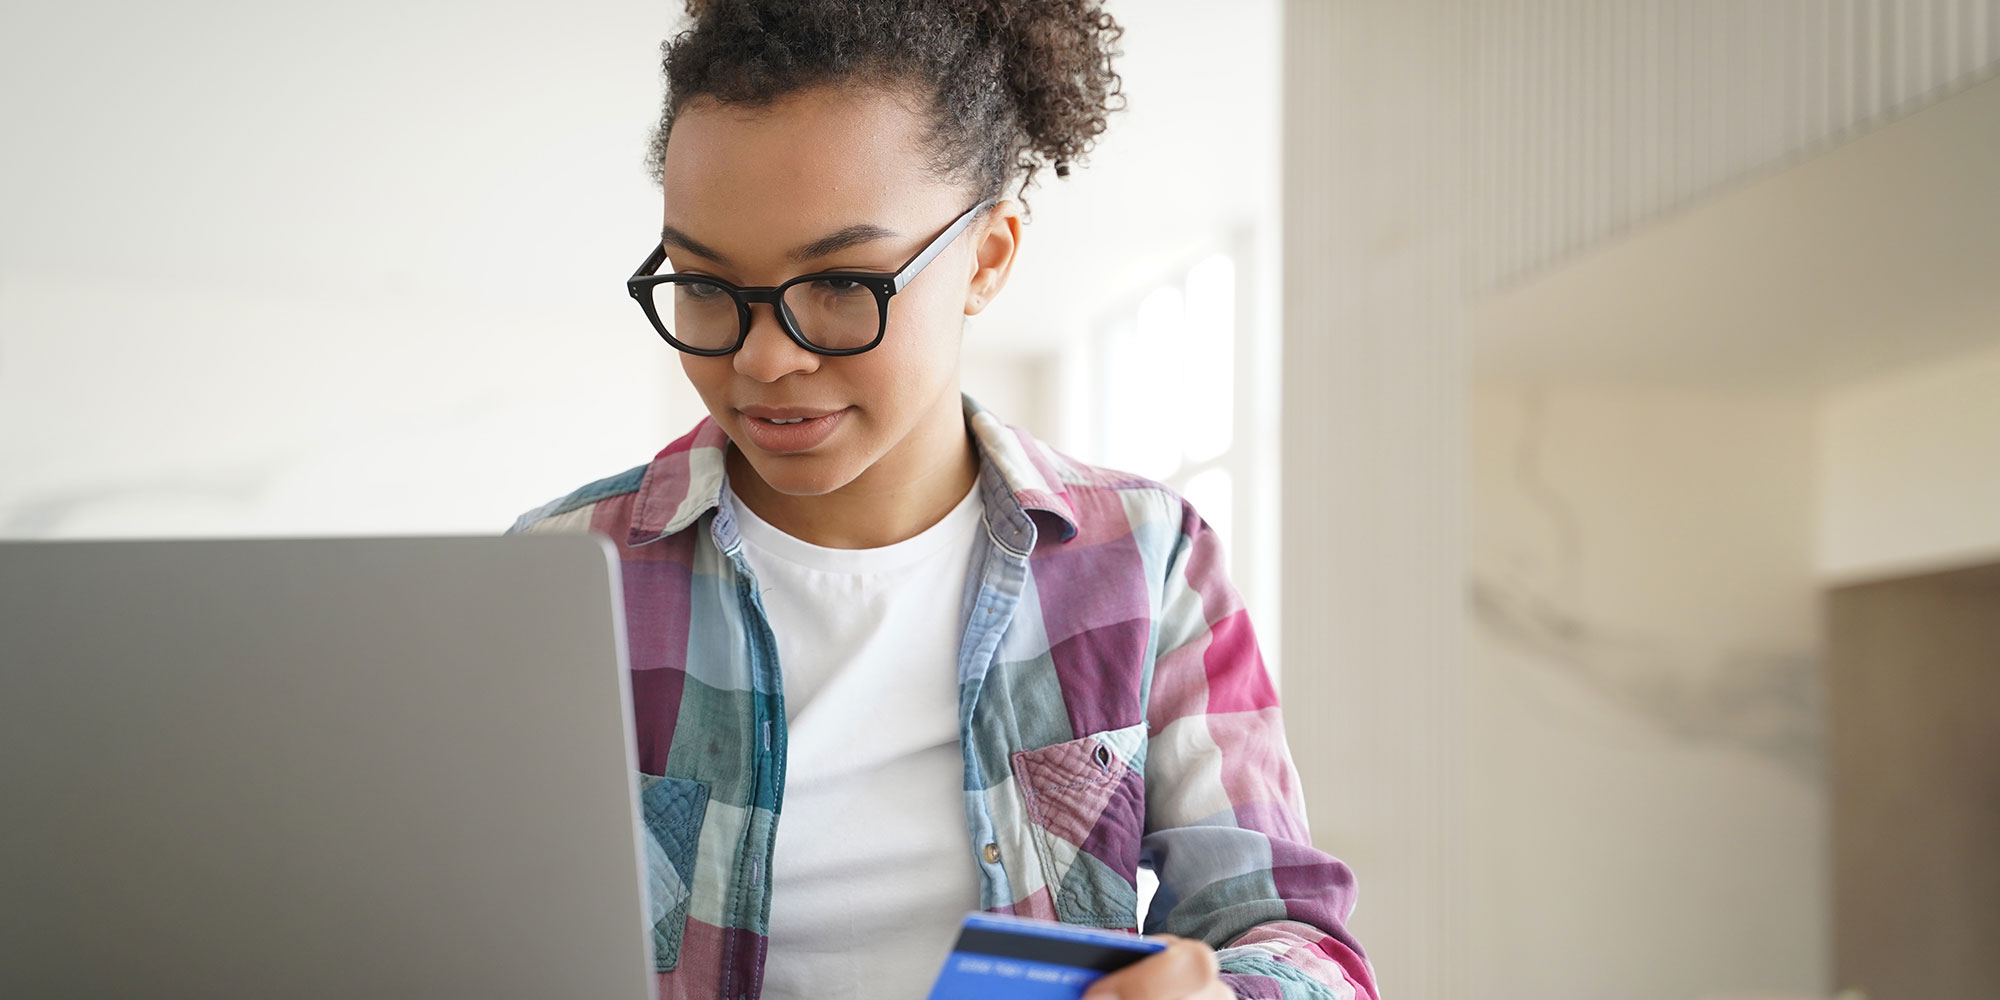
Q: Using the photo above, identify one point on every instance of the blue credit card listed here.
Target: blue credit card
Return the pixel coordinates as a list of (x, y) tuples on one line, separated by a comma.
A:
[(1017, 958)]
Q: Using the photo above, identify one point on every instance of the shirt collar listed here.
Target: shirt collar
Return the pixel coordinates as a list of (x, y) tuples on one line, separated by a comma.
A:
[(685, 480)]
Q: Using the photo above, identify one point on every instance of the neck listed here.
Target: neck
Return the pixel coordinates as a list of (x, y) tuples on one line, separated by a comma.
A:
[(908, 490)]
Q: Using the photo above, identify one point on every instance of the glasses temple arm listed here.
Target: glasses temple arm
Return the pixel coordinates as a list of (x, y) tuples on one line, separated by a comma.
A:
[(651, 265), (929, 253)]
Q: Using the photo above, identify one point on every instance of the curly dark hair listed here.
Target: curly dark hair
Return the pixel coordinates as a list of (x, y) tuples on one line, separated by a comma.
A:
[(1011, 85)]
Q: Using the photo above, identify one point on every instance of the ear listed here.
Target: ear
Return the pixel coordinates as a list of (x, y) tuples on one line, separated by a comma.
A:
[(998, 240)]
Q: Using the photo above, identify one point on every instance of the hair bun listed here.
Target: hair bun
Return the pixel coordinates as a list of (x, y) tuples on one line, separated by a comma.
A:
[(1011, 85), (1058, 64)]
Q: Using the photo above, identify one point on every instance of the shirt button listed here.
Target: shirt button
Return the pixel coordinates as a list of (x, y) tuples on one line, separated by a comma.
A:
[(992, 854)]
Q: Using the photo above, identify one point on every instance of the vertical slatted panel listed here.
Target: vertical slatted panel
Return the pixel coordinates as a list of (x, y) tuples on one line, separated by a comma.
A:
[(1592, 117), (1374, 404)]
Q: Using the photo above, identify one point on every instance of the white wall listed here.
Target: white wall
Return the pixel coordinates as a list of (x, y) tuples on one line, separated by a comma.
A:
[(1647, 814), (323, 269), (1016, 387), (1909, 470)]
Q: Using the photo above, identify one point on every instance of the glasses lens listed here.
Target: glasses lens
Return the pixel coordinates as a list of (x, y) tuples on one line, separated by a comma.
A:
[(838, 314), (700, 314)]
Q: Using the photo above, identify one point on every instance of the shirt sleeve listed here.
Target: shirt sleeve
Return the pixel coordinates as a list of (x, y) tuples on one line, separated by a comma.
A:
[(1225, 821)]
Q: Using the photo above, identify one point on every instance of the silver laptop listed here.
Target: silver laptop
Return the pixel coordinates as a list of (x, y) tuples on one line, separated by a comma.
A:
[(317, 768)]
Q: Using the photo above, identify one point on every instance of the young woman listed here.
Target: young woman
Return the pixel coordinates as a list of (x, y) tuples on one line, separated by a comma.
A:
[(894, 660)]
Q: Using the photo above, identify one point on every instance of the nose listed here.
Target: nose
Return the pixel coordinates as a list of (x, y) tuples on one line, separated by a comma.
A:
[(767, 355)]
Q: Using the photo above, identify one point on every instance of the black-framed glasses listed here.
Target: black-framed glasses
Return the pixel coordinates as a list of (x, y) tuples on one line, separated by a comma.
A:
[(835, 313)]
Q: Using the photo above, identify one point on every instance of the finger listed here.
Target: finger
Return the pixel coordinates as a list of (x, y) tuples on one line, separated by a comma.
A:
[(1183, 970)]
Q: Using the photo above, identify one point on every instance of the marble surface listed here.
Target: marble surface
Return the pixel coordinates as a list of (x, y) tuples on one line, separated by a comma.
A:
[(1570, 554)]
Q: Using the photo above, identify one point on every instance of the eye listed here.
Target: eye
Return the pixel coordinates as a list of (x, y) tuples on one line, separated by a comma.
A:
[(839, 286), (701, 291)]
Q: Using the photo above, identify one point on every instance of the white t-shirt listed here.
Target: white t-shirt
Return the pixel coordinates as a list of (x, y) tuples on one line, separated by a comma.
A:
[(872, 868)]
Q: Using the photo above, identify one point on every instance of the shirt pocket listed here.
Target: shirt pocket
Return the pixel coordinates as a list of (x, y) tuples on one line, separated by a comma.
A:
[(672, 810), (1086, 805)]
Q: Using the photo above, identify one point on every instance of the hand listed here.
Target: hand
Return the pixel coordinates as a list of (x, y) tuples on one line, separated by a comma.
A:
[(1187, 970)]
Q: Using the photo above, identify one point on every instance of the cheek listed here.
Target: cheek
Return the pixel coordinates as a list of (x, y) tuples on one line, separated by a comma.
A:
[(925, 334), (914, 359), (709, 376)]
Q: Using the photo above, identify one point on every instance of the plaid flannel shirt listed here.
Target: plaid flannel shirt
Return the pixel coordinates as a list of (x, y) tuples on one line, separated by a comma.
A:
[(1114, 713)]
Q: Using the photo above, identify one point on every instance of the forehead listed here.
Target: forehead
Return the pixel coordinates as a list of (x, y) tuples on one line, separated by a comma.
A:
[(756, 180)]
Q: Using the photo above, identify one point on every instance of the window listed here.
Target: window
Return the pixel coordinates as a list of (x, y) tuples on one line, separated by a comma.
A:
[(1177, 385)]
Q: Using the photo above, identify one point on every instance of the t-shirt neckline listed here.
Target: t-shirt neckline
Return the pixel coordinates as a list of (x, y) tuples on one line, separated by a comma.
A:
[(953, 529)]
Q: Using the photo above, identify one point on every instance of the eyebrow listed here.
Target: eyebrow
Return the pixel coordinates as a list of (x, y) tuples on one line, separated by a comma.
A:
[(855, 235), (671, 237)]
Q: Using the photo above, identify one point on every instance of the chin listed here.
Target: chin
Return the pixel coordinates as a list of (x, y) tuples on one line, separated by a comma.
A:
[(802, 475)]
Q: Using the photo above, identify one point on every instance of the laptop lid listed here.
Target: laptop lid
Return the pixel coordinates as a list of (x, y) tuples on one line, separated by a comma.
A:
[(317, 768)]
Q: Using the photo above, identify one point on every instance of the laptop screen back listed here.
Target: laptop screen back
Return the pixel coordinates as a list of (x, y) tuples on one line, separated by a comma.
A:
[(317, 768)]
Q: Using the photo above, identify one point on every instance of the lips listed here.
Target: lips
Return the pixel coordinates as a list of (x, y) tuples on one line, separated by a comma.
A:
[(789, 430), (787, 412)]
